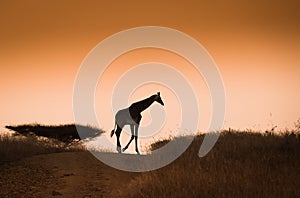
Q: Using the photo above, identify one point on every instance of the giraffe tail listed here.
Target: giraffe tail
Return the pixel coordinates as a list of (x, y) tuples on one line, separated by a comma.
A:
[(113, 131)]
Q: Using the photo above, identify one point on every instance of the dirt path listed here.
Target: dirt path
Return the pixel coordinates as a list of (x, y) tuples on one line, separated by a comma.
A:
[(70, 174)]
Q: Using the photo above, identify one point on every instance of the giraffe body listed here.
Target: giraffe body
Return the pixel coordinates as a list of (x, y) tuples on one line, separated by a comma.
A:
[(132, 116)]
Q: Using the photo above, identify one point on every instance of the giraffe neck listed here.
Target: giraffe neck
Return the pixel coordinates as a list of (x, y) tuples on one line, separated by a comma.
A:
[(140, 106)]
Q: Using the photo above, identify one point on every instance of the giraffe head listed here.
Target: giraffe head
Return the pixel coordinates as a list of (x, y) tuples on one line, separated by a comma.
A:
[(158, 99)]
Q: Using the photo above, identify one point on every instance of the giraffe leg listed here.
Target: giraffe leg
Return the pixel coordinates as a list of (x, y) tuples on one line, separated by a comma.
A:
[(118, 133), (132, 137), (136, 139)]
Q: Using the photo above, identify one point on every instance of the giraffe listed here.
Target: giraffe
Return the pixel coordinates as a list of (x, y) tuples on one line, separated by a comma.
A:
[(132, 116)]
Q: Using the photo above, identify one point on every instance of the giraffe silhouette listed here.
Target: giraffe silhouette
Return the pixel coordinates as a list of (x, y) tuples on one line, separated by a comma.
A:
[(132, 116)]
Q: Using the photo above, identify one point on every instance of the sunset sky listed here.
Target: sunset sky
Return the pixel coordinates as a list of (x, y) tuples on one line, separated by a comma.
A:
[(256, 45)]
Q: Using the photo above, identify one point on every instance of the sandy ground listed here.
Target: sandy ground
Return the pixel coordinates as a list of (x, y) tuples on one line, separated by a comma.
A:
[(69, 174)]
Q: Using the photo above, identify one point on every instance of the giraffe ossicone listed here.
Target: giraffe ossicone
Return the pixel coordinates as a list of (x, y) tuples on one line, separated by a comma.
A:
[(132, 116)]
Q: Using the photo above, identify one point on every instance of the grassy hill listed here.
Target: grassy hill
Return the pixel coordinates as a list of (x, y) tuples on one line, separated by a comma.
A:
[(241, 164)]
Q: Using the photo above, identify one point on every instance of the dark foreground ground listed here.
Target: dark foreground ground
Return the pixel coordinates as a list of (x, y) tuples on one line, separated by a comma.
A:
[(66, 174), (241, 164)]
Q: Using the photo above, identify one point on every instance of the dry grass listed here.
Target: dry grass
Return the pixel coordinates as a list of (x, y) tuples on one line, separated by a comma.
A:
[(17, 147), (34, 139), (242, 164)]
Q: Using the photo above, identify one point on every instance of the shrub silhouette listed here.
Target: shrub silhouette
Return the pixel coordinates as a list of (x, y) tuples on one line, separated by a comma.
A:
[(65, 133)]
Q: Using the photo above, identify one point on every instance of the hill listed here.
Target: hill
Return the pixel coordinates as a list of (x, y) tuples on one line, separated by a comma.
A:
[(241, 164)]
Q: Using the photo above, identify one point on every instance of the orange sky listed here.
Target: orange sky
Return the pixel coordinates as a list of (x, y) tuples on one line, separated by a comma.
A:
[(255, 44)]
